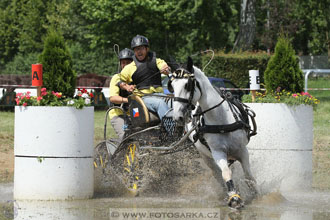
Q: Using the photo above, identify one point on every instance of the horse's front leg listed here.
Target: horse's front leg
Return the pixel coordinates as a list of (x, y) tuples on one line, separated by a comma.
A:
[(234, 199)]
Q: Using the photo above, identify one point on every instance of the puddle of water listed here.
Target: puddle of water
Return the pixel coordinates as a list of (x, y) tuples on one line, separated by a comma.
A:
[(275, 206), (6, 192)]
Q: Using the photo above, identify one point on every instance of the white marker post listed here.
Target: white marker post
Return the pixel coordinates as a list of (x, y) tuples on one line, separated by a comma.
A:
[(254, 81)]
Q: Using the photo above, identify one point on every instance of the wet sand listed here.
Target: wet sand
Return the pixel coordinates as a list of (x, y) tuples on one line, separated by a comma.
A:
[(294, 205), (176, 184)]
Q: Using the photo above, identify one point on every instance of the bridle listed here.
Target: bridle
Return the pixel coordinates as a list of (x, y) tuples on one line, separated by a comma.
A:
[(182, 73)]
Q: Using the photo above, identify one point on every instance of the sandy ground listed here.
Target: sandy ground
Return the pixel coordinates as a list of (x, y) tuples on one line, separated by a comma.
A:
[(6, 165)]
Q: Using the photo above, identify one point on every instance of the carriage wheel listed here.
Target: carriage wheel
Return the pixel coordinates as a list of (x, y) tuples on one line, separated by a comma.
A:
[(131, 167), (101, 156), (101, 164)]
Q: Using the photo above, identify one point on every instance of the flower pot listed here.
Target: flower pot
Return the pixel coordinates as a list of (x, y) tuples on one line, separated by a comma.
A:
[(53, 153), (281, 152)]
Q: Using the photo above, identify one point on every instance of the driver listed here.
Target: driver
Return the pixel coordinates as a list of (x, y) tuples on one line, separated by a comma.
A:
[(145, 75), (119, 96)]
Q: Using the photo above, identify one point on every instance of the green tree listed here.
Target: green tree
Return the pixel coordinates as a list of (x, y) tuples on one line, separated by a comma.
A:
[(21, 64), (58, 74), (200, 25), (23, 25), (173, 27), (275, 17), (9, 33), (247, 27), (32, 18), (307, 22), (283, 68), (313, 35)]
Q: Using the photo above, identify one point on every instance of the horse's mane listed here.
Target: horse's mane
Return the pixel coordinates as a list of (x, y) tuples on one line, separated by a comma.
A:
[(200, 75)]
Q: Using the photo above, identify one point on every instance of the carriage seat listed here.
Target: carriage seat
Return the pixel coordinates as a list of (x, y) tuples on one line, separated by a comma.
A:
[(140, 115)]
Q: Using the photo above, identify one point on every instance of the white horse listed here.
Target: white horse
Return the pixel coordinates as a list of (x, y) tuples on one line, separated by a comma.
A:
[(192, 87)]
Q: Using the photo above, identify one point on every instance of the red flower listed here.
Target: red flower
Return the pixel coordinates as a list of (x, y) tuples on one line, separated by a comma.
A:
[(43, 92), (305, 93), (58, 94)]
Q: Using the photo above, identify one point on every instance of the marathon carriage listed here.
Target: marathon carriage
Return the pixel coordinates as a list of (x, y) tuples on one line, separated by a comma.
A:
[(219, 129), (145, 135)]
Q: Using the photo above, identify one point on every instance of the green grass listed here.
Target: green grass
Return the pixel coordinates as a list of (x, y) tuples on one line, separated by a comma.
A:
[(99, 121), (321, 148), (322, 111), (6, 131)]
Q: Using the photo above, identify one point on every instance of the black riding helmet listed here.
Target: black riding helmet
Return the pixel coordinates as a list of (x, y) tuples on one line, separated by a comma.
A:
[(139, 40), (126, 54)]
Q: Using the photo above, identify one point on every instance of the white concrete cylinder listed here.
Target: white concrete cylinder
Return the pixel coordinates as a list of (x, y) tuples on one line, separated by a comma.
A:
[(281, 152), (53, 153), (254, 79)]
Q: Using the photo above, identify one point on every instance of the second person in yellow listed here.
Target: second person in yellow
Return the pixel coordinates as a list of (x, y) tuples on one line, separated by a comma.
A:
[(118, 97)]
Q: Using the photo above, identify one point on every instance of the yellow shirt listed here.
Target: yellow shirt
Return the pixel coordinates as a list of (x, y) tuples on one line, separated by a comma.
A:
[(115, 91), (127, 73)]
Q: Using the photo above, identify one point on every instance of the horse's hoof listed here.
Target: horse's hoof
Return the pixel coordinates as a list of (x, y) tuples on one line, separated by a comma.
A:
[(235, 202)]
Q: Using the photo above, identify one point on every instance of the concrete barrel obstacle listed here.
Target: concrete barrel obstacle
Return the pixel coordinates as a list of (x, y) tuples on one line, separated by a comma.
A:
[(53, 153), (281, 152)]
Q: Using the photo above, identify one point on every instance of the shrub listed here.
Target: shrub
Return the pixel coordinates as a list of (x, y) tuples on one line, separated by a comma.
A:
[(283, 68), (58, 74), (235, 67)]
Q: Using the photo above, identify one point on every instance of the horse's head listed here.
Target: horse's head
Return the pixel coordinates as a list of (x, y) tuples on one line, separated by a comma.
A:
[(186, 91)]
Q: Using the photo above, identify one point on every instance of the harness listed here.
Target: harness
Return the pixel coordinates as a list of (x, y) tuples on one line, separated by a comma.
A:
[(240, 111)]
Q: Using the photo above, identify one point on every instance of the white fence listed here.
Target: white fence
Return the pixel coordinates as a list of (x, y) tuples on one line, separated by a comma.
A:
[(316, 71)]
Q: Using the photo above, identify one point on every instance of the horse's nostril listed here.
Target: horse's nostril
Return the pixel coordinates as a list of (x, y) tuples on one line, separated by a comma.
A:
[(180, 119)]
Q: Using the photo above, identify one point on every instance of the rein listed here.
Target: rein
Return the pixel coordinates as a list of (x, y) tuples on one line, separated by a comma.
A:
[(241, 113), (202, 113)]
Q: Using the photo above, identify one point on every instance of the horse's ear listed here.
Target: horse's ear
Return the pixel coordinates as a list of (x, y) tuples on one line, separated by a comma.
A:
[(190, 64)]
